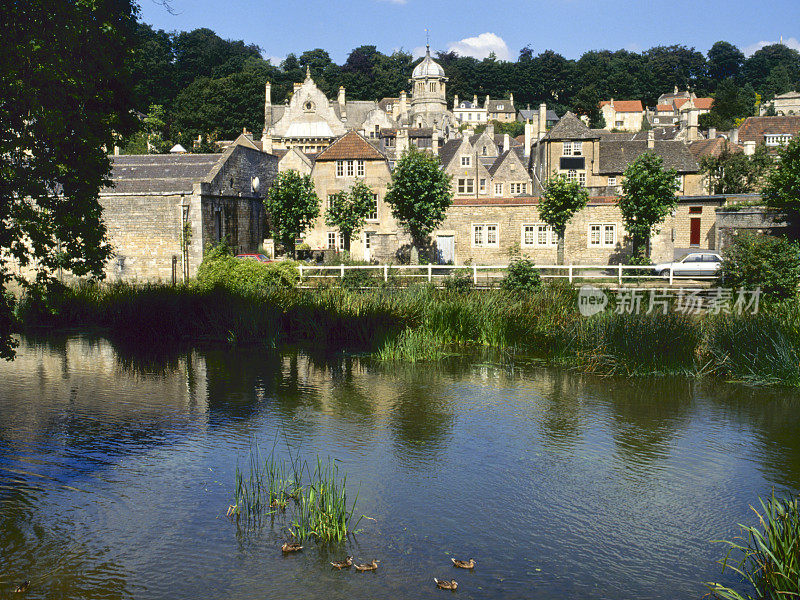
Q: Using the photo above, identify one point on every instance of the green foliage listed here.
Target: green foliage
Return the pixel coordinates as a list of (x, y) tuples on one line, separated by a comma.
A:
[(754, 260), (349, 209), (732, 101), (419, 193), (293, 206), (768, 554), (65, 92), (782, 187), (561, 200), (735, 172), (648, 196), (460, 281), (249, 276), (522, 277)]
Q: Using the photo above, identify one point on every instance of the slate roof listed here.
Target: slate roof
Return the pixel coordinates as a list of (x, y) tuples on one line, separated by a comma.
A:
[(615, 156), (448, 151), (713, 147), (528, 113), (357, 111), (624, 105), (386, 101), (570, 127), (659, 133), (159, 173), (494, 106), (350, 146), (755, 128)]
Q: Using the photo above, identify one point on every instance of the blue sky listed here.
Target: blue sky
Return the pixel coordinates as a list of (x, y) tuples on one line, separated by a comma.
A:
[(474, 28)]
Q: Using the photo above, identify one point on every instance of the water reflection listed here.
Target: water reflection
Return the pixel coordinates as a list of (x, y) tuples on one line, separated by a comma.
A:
[(116, 468)]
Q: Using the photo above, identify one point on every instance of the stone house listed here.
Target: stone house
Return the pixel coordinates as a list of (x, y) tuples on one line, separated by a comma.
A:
[(349, 159), (784, 104), (772, 132), (471, 113), (622, 115), (501, 110), (163, 210)]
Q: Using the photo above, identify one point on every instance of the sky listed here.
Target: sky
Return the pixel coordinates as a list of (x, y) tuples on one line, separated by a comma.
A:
[(472, 28)]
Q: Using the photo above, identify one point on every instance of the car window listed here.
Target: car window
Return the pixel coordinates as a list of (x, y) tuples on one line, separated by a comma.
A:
[(692, 258), (710, 258)]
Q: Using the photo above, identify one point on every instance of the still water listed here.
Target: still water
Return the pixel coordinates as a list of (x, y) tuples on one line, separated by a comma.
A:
[(116, 470)]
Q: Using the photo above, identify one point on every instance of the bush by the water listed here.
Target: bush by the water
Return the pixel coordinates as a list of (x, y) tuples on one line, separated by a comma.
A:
[(459, 281), (522, 277), (771, 263), (219, 268)]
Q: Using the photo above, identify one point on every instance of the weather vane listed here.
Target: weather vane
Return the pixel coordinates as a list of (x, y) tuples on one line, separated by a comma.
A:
[(428, 38)]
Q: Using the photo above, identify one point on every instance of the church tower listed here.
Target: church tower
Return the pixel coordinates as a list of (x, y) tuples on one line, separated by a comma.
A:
[(428, 101)]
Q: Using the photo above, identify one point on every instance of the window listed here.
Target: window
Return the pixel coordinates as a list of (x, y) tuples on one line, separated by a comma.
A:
[(340, 168), (498, 189), (695, 210), (519, 188), (482, 186), (602, 235), (567, 149), (501, 106), (572, 175), (577, 148), (582, 178), (466, 161), (619, 124), (331, 198), (350, 168), (777, 139), (538, 234), (466, 186), (612, 181), (373, 215), (360, 168), (485, 235), (389, 142), (335, 241), (347, 168), (483, 152)]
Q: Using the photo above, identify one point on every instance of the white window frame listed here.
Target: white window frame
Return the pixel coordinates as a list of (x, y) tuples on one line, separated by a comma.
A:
[(481, 234), (602, 230), (373, 216), (577, 148), (566, 149), (536, 229), (582, 178), (340, 168), (482, 185), (466, 185), (466, 160), (498, 189), (360, 168), (338, 241), (612, 181), (519, 188)]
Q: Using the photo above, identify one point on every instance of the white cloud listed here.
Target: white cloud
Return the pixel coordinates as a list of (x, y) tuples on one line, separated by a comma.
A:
[(275, 61), (482, 46), (418, 52), (789, 42)]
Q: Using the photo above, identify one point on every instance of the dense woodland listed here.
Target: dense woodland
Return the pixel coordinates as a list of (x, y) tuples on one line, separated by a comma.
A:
[(211, 86)]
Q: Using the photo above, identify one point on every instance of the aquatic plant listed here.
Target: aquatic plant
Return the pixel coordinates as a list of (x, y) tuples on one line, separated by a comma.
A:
[(768, 554)]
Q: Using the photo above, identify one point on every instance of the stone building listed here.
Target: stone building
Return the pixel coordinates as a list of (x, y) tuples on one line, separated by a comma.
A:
[(622, 115), (471, 113), (783, 104), (772, 132), (163, 210)]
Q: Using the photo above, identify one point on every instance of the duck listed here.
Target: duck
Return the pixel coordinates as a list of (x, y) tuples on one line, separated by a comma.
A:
[(464, 564), (368, 566), (343, 564), (446, 585), (291, 547), (23, 587)]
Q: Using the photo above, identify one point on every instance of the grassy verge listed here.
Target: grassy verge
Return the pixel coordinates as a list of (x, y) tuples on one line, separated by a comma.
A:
[(422, 323)]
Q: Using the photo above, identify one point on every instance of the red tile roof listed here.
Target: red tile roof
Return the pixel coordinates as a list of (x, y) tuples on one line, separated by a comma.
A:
[(680, 102), (665, 108), (755, 128), (714, 147), (703, 103), (350, 146), (625, 105)]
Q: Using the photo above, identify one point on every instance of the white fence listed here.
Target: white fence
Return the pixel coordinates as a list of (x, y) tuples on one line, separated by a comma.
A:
[(485, 276)]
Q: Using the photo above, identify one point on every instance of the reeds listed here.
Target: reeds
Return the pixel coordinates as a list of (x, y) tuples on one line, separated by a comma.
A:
[(768, 554), (316, 502)]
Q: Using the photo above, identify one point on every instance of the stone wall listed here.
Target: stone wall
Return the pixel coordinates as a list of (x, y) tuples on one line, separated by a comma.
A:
[(756, 219)]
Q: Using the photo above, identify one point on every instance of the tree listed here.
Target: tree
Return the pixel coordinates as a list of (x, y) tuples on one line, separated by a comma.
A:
[(562, 198), (724, 60), (293, 206), (65, 98), (731, 102), (648, 196), (782, 187), (768, 262), (734, 172), (419, 194), (349, 210)]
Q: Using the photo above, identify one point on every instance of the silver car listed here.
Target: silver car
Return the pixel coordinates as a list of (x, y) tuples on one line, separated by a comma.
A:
[(699, 264)]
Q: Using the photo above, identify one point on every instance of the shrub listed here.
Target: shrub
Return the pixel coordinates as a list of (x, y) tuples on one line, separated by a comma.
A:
[(459, 281), (522, 277), (245, 275), (765, 261)]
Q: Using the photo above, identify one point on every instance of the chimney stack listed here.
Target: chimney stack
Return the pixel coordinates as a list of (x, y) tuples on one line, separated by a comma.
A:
[(455, 101), (693, 133), (490, 130), (402, 141), (749, 148), (651, 140), (435, 142), (542, 122), (528, 137), (511, 98), (506, 142), (712, 133)]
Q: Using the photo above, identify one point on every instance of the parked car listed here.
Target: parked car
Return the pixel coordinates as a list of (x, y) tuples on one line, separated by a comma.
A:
[(259, 257), (700, 264)]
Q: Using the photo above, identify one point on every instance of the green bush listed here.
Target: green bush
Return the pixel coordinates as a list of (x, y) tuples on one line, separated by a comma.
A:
[(765, 261), (459, 281), (219, 269), (522, 277)]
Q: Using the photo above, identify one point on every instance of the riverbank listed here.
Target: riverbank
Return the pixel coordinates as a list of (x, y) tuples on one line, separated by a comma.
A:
[(423, 324)]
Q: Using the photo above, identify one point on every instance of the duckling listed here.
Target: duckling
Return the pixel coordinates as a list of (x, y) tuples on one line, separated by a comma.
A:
[(446, 585), (291, 547), (368, 566), (280, 504), (23, 587), (343, 564), (464, 564)]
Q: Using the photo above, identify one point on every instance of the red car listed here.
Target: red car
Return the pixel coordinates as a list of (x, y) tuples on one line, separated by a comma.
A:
[(257, 257)]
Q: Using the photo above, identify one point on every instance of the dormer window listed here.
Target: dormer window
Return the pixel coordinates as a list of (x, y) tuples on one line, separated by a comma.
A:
[(501, 106), (777, 139), (483, 152)]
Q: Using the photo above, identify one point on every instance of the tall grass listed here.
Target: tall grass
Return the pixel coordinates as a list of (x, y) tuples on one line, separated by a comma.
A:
[(768, 554)]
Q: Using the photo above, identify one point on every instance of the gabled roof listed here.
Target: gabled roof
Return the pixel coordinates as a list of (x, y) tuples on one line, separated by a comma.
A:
[(665, 108), (350, 146), (448, 151), (624, 105), (703, 103), (528, 113), (713, 147), (159, 173), (511, 154), (494, 106), (787, 96), (615, 156), (755, 128), (386, 101), (570, 127)]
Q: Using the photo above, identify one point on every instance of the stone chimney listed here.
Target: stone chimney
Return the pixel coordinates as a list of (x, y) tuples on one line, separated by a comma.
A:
[(528, 137), (749, 148), (403, 109), (267, 108), (511, 98), (490, 130), (486, 104), (455, 101), (342, 104), (402, 141), (712, 133), (651, 140), (475, 101), (542, 122), (735, 136), (693, 133), (435, 142), (506, 142), (266, 144)]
